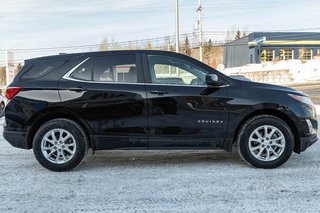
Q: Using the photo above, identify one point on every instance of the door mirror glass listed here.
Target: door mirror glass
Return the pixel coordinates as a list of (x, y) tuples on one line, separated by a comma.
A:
[(213, 80)]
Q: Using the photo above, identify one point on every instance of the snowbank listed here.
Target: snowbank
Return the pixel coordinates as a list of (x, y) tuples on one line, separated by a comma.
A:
[(300, 71)]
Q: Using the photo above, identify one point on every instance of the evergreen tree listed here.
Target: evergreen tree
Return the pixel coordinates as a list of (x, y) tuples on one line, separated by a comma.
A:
[(186, 46), (238, 35), (19, 67)]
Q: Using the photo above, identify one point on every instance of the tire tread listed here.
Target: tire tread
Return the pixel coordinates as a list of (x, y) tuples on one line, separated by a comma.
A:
[(243, 129), (74, 162)]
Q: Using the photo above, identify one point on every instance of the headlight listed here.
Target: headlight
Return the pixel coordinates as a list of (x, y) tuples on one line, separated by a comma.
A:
[(303, 99)]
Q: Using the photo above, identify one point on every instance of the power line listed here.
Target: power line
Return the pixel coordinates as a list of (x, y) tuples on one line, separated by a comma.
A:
[(161, 41), (156, 39), (248, 5), (265, 30)]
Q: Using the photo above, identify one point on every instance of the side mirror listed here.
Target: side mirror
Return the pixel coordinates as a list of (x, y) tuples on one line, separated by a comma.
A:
[(212, 80)]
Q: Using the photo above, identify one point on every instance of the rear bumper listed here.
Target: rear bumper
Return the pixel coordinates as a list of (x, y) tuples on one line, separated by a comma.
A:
[(307, 141), (17, 139)]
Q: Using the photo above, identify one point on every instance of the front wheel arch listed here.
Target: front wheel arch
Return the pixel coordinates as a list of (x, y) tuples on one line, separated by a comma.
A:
[(277, 114)]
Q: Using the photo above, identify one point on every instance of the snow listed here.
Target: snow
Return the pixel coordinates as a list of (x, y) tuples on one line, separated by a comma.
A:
[(159, 181), (301, 71)]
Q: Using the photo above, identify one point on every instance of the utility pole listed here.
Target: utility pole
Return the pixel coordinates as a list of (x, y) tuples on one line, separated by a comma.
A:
[(169, 49), (7, 64), (199, 10), (177, 26)]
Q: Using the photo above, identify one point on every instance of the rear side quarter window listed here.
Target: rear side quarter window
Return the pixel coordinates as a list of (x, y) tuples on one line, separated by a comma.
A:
[(42, 67), (83, 71)]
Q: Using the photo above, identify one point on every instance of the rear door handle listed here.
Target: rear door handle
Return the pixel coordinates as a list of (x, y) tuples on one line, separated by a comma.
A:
[(158, 92), (78, 89)]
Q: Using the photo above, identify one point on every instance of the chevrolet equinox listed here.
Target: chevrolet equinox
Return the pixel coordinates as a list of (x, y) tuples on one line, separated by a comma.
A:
[(60, 106)]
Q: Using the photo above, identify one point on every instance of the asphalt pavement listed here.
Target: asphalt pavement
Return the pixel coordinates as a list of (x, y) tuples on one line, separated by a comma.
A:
[(312, 89)]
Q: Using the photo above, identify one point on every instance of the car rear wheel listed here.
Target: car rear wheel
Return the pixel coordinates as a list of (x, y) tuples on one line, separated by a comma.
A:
[(60, 144), (265, 141)]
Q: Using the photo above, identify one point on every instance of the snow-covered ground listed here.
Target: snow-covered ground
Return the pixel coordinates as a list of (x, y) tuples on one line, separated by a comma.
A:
[(159, 181), (300, 71)]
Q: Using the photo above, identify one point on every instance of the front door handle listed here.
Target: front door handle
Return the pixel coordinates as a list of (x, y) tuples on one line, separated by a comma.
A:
[(158, 92), (78, 89)]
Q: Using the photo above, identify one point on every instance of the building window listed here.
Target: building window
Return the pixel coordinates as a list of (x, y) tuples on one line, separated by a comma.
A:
[(266, 55), (305, 54), (286, 54)]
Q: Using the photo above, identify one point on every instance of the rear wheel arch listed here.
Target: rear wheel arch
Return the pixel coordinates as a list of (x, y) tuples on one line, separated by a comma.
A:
[(54, 114), (277, 114)]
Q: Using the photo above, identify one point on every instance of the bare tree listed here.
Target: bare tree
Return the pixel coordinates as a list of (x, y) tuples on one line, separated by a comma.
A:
[(2, 75), (231, 33), (234, 33), (130, 46), (104, 45), (115, 45), (168, 45), (149, 46), (244, 31)]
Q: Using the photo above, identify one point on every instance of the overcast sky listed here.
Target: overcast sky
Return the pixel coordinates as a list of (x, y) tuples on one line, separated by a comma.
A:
[(52, 23)]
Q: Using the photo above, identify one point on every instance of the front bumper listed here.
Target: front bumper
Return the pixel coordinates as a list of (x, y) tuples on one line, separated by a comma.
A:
[(307, 126), (307, 141), (16, 139)]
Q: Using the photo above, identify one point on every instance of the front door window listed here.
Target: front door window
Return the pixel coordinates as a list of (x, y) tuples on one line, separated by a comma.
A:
[(170, 70)]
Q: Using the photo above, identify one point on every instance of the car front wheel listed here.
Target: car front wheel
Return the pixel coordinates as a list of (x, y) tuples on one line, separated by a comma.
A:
[(60, 144), (265, 141)]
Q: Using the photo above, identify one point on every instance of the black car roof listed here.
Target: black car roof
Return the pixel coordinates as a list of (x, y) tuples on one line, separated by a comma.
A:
[(67, 55)]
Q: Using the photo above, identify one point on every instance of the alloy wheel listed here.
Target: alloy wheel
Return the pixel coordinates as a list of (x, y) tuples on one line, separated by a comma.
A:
[(267, 143), (58, 146)]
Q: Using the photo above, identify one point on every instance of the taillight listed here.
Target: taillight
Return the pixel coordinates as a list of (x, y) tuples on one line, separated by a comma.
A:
[(12, 91)]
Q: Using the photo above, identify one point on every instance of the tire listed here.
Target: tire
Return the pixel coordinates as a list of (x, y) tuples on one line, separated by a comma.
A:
[(60, 145), (265, 141)]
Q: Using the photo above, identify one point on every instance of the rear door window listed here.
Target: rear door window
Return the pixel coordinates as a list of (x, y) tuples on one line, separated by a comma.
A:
[(116, 68), (42, 67)]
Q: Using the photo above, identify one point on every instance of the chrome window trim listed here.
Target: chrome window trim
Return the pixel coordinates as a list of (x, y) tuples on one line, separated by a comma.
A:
[(127, 83), (67, 77)]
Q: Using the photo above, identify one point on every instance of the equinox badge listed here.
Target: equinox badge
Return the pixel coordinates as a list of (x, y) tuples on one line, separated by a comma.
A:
[(210, 121)]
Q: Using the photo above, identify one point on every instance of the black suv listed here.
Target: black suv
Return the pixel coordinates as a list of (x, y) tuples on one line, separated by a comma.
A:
[(63, 105)]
